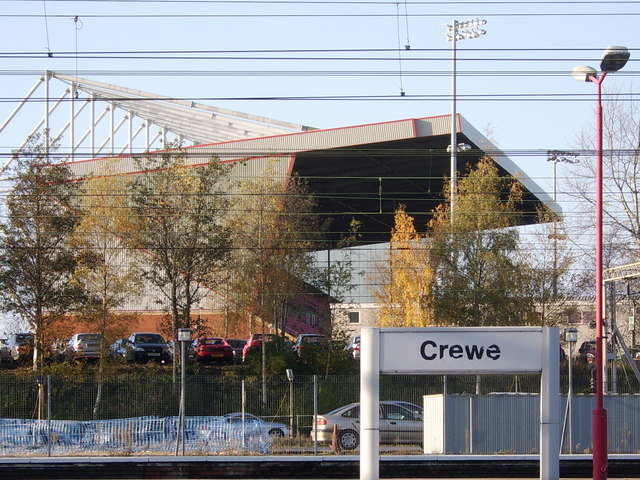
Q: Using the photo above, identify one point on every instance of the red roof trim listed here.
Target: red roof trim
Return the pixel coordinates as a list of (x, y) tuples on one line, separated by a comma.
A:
[(307, 132)]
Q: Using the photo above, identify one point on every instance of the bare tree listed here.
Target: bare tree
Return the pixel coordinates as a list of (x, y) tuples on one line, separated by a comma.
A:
[(621, 182)]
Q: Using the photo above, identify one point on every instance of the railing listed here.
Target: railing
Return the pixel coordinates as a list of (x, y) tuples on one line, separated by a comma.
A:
[(129, 415)]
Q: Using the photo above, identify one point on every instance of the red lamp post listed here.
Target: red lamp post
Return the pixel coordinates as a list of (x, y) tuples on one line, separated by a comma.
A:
[(613, 59)]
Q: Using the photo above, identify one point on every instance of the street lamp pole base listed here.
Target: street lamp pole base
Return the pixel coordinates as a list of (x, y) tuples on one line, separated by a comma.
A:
[(599, 418)]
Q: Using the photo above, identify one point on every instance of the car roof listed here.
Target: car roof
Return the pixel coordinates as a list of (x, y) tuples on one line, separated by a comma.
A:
[(238, 414), (402, 403)]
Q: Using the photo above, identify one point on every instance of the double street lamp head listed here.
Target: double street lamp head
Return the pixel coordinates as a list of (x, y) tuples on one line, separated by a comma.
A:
[(612, 60)]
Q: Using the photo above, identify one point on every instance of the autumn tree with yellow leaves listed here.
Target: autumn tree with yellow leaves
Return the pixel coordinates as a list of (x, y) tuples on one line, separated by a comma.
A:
[(404, 294), (468, 270)]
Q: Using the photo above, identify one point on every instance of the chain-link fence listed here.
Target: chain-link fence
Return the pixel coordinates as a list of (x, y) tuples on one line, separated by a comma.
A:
[(134, 414)]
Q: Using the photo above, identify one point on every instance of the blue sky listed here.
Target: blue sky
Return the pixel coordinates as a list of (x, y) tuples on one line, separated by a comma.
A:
[(542, 36), (545, 108)]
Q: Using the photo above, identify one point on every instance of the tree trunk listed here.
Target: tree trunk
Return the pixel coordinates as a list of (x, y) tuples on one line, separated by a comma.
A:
[(174, 328)]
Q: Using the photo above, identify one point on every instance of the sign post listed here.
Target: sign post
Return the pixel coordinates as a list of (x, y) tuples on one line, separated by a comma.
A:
[(453, 350)]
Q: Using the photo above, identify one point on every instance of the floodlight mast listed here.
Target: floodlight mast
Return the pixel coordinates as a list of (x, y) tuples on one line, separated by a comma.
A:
[(613, 59), (466, 29)]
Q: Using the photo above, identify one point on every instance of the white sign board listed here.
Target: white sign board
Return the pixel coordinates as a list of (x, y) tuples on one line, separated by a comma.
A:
[(461, 350), (453, 351)]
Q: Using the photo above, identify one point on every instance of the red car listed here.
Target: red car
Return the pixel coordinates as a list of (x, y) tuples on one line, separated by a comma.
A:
[(254, 341), (212, 349)]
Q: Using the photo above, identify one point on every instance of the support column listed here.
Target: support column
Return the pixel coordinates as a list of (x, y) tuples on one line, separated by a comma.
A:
[(550, 405), (369, 403)]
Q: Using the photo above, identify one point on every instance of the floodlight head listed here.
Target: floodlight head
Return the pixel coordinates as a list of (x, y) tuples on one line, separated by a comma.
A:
[(289, 373), (582, 73), (466, 29), (614, 58)]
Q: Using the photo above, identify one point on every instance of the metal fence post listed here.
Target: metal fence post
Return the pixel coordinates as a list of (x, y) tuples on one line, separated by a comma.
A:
[(49, 415), (315, 415), (243, 399)]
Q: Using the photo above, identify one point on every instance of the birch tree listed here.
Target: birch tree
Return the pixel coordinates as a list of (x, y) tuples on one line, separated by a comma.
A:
[(274, 231), (480, 276), (106, 271)]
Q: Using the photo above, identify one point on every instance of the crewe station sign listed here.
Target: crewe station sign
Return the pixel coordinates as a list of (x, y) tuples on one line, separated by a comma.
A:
[(479, 350), (454, 350)]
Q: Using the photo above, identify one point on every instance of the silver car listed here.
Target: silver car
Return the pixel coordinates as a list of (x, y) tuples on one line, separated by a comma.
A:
[(274, 429), (400, 422), (84, 345)]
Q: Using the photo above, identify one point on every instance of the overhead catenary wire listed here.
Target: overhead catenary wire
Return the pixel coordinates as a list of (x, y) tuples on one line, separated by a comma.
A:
[(318, 15)]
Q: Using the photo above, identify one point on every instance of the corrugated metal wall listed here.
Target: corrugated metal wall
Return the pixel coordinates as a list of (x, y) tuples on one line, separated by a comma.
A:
[(509, 423)]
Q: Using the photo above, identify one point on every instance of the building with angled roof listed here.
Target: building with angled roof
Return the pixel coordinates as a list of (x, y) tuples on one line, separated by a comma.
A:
[(361, 172)]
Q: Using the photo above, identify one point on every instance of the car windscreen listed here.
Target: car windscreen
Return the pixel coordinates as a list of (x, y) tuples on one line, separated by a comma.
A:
[(149, 338), (90, 337), (313, 340)]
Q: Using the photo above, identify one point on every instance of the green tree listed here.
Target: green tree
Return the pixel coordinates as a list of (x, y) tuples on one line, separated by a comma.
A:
[(481, 277), (177, 218), (37, 261)]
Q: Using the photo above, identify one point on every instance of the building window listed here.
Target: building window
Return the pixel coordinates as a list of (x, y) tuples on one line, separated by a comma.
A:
[(575, 317), (354, 317), (589, 318)]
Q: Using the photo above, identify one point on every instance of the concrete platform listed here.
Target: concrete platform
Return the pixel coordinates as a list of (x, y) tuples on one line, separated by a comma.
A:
[(304, 467)]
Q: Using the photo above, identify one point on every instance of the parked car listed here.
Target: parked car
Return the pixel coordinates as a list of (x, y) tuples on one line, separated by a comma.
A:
[(83, 345), (58, 349), (353, 347), (20, 346), (237, 344), (141, 347), (275, 429), (587, 351), (212, 349), (254, 341), (309, 340), (5, 351), (400, 422)]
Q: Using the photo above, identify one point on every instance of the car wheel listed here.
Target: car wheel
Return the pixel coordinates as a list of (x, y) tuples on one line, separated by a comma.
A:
[(348, 439), (276, 433)]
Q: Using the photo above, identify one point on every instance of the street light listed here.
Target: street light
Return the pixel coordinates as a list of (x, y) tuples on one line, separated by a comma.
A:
[(290, 378), (184, 337), (571, 336), (613, 59), (466, 29)]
